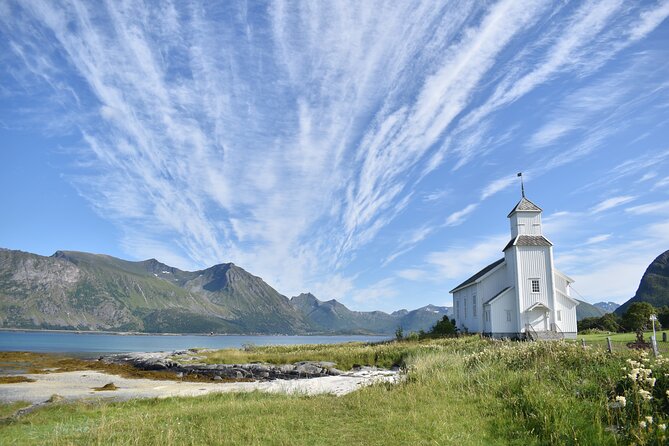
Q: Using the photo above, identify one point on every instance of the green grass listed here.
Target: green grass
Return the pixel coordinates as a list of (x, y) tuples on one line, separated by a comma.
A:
[(463, 391), (345, 356), (620, 340)]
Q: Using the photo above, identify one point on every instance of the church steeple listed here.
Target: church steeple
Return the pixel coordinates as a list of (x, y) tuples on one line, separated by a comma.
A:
[(525, 218)]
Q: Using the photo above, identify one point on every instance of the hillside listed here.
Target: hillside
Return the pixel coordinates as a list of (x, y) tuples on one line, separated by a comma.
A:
[(654, 285), (83, 291), (584, 309)]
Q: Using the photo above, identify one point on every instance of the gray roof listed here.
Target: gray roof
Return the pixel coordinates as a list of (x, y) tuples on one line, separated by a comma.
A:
[(497, 295), (524, 205), (478, 275), (528, 240)]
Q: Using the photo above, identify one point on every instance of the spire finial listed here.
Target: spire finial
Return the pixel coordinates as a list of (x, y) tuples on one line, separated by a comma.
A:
[(522, 186)]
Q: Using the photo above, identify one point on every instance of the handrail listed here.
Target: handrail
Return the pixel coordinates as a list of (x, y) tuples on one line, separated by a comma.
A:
[(555, 328), (531, 332)]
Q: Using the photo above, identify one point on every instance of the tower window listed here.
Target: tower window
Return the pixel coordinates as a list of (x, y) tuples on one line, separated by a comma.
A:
[(474, 305), (535, 285)]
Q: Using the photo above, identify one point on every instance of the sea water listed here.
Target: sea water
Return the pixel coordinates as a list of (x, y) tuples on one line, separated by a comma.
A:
[(87, 343)]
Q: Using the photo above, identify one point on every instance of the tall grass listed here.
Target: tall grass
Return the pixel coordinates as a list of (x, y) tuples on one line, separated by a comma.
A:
[(463, 391)]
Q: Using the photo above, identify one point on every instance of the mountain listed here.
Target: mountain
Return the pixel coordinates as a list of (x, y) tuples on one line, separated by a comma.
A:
[(84, 291), (608, 307), (584, 309), (332, 316), (654, 285)]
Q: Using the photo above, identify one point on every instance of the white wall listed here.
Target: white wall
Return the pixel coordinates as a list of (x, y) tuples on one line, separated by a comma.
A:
[(499, 322), (466, 319), (568, 314), (525, 223), (534, 263)]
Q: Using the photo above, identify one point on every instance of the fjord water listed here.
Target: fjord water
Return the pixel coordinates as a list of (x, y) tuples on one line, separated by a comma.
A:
[(89, 343)]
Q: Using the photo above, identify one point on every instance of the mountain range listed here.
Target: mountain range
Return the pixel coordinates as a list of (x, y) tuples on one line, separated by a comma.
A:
[(83, 291)]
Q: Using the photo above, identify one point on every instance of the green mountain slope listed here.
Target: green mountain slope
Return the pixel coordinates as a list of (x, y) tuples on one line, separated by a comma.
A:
[(584, 309), (74, 290), (654, 285), (83, 291)]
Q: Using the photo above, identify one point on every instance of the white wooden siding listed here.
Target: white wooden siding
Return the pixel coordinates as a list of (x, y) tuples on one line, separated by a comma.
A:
[(568, 308), (533, 264), (498, 308), (525, 223)]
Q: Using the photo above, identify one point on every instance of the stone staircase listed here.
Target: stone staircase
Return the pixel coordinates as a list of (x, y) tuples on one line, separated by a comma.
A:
[(554, 334)]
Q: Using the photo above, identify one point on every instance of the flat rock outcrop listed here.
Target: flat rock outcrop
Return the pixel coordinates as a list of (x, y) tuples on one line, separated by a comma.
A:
[(186, 362)]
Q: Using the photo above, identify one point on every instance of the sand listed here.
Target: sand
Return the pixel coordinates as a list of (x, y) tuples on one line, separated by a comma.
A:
[(79, 385)]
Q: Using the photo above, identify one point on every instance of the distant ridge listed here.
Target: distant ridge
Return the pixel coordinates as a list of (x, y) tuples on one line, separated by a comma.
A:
[(654, 285), (83, 291)]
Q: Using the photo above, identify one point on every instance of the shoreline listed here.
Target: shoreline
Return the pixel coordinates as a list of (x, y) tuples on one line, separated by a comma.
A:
[(142, 333)]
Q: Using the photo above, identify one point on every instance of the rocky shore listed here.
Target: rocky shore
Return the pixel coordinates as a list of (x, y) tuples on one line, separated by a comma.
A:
[(186, 362)]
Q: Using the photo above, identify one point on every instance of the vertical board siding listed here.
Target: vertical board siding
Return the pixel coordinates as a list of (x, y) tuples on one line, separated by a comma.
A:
[(568, 323), (533, 263), (498, 309)]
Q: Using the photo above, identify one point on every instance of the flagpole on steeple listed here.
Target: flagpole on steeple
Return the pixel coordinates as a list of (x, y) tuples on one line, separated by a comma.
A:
[(522, 186)]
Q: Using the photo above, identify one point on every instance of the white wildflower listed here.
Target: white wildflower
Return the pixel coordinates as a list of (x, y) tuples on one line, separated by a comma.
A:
[(645, 394), (662, 427), (651, 381), (649, 419), (622, 400), (642, 424)]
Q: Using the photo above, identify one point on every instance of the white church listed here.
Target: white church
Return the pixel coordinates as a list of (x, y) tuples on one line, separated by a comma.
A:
[(520, 296)]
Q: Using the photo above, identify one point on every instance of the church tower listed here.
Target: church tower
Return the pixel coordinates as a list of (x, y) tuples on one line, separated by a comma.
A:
[(529, 259)]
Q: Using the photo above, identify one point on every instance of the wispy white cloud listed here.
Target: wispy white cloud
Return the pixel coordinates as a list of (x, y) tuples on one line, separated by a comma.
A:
[(459, 262), (458, 217), (597, 239), (657, 208), (611, 203), (284, 138), (498, 186)]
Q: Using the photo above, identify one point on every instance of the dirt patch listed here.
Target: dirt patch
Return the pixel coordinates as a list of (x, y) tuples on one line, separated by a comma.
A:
[(106, 387), (15, 379)]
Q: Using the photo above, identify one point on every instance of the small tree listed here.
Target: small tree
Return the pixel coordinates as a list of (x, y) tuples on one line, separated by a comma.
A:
[(442, 328), (399, 333), (637, 316)]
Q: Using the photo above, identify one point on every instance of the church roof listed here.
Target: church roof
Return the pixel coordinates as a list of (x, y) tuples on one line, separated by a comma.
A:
[(528, 240), (497, 295), (524, 205), (478, 275)]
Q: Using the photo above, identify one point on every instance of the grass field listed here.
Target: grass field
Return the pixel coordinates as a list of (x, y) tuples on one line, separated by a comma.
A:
[(464, 391), (620, 340)]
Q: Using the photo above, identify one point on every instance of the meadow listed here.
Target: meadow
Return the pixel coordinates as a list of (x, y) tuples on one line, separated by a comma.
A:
[(464, 391)]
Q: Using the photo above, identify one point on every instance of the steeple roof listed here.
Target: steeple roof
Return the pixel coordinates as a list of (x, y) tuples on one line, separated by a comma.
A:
[(524, 205)]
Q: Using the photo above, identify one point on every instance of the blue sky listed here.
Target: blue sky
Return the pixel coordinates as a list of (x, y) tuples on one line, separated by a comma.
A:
[(364, 151)]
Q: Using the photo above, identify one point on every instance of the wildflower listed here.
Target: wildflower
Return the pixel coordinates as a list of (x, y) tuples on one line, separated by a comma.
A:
[(662, 427), (621, 400), (651, 381), (642, 424), (645, 394), (649, 419), (667, 393)]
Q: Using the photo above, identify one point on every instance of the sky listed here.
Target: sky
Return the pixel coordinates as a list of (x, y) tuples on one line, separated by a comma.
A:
[(363, 151)]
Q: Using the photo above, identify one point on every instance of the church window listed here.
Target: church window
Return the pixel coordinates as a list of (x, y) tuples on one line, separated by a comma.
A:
[(559, 315), (535, 285), (457, 307), (465, 305), (474, 305), (508, 315)]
